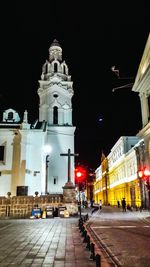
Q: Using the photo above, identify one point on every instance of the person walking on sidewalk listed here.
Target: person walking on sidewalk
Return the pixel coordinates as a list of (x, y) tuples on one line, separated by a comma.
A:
[(100, 204), (123, 204)]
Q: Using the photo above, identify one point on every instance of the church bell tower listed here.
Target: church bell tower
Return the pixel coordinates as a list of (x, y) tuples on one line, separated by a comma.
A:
[(55, 107)]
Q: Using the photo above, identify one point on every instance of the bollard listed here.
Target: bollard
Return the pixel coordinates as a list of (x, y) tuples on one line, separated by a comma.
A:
[(88, 246), (92, 256), (83, 233), (82, 228), (85, 236), (86, 217), (98, 260), (80, 223)]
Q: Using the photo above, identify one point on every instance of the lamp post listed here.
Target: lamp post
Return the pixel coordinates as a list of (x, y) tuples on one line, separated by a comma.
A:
[(46, 180), (80, 201), (47, 150)]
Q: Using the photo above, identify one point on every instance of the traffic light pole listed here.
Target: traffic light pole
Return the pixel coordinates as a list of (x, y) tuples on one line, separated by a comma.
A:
[(80, 201)]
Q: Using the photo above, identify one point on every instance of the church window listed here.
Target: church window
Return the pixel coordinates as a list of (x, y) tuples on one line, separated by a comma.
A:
[(10, 116), (55, 179), (1, 153), (46, 69), (64, 71), (55, 115), (55, 95), (55, 67)]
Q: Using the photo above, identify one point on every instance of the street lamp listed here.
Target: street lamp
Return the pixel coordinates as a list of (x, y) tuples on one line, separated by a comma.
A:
[(47, 150)]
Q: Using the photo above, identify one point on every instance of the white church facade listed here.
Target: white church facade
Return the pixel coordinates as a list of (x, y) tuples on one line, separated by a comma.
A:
[(26, 164)]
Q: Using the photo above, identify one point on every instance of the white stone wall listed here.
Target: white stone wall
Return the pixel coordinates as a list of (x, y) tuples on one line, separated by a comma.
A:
[(6, 139), (60, 139), (33, 152)]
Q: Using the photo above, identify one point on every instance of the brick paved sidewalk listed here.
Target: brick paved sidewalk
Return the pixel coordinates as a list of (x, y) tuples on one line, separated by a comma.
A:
[(55, 242)]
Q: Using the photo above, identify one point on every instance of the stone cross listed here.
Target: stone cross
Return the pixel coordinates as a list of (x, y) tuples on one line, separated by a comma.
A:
[(69, 154)]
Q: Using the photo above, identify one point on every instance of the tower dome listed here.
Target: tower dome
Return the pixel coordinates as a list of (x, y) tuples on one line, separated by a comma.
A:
[(55, 51)]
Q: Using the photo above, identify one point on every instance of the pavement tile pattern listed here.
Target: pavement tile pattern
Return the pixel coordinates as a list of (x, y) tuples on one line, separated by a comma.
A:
[(55, 242)]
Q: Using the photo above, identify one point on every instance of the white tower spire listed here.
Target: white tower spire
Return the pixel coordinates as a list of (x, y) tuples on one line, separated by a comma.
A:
[(25, 124), (55, 93), (25, 117)]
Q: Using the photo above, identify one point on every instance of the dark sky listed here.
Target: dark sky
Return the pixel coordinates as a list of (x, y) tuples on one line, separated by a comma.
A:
[(93, 37)]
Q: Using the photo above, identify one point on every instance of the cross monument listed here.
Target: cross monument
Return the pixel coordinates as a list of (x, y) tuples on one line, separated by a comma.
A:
[(69, 154)]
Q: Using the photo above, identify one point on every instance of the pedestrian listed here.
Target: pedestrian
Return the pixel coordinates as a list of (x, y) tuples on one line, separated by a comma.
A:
[(100, 204), (123, 204), (118, 202), (92, 202)]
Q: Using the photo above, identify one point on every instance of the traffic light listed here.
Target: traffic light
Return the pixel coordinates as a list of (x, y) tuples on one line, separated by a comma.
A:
[(140, 173), (80, 175), (144, 173)]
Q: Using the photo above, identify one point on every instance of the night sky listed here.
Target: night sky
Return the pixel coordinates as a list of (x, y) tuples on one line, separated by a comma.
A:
[(93, 39)]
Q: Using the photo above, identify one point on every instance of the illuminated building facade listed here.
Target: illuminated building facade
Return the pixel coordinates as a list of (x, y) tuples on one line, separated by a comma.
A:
[(24, 163), (119, 174), (142, 87), (131, 155), (98, 187), (122, 171)]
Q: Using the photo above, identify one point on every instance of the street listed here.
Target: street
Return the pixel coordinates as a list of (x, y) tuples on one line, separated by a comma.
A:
[(124, 235)]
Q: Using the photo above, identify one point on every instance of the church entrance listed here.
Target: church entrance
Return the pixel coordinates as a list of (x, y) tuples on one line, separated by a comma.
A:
[(55, 212)]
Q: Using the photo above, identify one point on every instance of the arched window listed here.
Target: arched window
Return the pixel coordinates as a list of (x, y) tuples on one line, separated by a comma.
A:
[(55, 67), (46, 68), (55, 115), (64, 69), (10, 116)]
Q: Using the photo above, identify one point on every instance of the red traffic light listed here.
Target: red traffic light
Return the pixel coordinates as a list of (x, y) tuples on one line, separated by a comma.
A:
[(144, 173), (80, 174), (140, 174)]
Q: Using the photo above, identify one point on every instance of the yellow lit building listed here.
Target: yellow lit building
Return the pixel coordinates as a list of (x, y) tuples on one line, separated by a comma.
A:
[(117, 178), (142, 87), (123, 179), (98, 188)]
